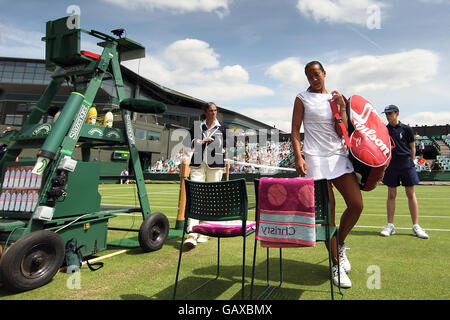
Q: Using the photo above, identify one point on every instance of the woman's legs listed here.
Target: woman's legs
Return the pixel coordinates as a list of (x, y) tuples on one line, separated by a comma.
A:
[(332, 222), (350, 191)]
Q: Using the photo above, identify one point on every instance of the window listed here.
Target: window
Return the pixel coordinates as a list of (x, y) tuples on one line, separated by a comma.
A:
[(14, 119), (139, 134), (154, 136), (7, 76), (22, 107)]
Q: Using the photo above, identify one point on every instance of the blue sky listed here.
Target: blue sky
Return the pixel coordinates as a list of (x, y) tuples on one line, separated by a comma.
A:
[(248, 55)]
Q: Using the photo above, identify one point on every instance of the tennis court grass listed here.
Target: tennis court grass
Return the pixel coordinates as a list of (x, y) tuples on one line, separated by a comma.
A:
[(398, 267)]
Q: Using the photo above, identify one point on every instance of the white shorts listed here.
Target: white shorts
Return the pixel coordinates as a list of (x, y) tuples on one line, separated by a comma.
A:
[(204, 173), (329, 168)]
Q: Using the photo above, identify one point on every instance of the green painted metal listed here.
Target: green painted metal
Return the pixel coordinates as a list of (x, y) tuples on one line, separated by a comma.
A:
[(77, 212)]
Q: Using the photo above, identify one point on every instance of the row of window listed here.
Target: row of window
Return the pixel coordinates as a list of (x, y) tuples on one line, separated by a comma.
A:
[(24, 78), (19, 119), (142, 134), (24, 72)]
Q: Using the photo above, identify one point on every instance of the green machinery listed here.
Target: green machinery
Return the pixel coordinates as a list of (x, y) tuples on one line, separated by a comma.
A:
[(62, 199)]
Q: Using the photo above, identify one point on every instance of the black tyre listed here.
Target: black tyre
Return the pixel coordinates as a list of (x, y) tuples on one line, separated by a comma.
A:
[(153, 232), (32, 261)]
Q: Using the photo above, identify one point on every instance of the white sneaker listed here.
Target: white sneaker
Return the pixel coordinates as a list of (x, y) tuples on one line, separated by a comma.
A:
[(419, 232), (388, 230), (191, 241), (202, 238), (338, 271), (343, 258)]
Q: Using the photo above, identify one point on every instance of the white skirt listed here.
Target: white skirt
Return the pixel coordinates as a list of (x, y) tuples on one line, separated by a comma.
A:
[(329, 168)]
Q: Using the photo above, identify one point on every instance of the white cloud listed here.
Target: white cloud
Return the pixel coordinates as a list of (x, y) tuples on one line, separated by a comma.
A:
[(435, 1), (369, 73), (220, 7), (290, 72), (339, 11), (365, 74), (192, 67), (15, 42), (392, 78), (427, 118), (191, 55), (279, 116)]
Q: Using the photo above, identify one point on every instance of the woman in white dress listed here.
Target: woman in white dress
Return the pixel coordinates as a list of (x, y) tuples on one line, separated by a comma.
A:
[(326, 157)]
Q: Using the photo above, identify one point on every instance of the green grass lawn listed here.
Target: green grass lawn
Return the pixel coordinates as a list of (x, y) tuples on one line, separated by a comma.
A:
[(398, 267)]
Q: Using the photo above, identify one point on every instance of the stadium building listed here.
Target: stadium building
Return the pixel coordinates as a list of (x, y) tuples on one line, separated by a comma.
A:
[(24, 80)]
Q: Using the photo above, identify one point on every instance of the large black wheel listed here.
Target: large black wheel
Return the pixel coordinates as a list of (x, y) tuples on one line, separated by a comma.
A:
[(32, 261), (153, 232)]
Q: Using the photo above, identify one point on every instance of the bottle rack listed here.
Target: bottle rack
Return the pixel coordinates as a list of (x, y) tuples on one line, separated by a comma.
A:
[(20, 189)]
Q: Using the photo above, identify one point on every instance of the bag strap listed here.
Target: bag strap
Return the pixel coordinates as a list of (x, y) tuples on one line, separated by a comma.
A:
[(339, 121)]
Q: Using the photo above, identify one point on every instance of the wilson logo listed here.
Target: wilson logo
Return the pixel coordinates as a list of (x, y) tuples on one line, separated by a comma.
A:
[(372, 135)]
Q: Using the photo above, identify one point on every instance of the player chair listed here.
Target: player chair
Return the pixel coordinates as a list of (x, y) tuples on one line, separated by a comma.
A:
[(223, 207)]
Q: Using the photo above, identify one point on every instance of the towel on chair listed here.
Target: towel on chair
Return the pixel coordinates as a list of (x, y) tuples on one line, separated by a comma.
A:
[(286, 212)]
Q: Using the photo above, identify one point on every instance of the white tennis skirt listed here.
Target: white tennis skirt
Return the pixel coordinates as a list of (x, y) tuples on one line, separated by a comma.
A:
[(329, 168)]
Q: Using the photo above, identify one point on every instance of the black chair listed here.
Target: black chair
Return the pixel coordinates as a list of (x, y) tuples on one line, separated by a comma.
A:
[(217, 202)]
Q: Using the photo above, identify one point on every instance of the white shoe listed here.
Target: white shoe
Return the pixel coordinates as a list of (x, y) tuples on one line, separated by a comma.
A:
[(202, 238), (419, 232), (388, 230), (338, 271), (191, 241), (343, 258)]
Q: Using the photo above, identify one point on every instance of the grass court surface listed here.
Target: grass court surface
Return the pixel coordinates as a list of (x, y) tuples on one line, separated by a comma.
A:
[(398, 267)]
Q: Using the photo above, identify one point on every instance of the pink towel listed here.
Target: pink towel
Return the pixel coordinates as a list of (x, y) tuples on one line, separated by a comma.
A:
[(286, 213)]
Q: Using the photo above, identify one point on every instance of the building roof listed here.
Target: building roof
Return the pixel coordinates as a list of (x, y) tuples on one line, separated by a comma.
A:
[(157, 92)]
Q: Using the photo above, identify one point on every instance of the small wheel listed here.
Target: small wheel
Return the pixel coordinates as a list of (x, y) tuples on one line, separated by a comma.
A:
[(32, 261), (153, 232)]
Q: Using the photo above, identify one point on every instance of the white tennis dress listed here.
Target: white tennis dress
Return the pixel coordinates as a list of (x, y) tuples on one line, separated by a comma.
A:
[(324, 153)]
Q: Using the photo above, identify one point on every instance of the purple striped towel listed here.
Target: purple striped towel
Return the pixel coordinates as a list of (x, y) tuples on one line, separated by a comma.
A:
[(286, 213)]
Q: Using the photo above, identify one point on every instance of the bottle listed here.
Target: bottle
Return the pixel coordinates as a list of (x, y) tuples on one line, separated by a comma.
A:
[(38, 181), (92, 115), (7, 201), (23, 203), (29, 201), (109, 118), (35, 200), (33, 180), (18, 201), (16, 178), (2, 199), (28, 177), (12, 202), (56, 116), (23, 175), (6, 178), (11, 177)]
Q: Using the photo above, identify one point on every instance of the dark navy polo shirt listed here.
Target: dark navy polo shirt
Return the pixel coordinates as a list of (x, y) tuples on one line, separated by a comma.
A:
[(402, 135)]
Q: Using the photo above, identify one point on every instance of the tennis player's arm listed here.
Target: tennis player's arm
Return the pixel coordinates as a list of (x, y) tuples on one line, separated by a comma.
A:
[(297, 120)]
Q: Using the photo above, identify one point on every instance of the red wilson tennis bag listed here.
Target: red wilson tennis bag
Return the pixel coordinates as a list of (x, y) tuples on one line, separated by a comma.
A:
[(368, 141)]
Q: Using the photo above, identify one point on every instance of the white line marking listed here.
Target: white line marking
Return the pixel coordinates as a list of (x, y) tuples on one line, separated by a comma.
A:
[(381, 228)]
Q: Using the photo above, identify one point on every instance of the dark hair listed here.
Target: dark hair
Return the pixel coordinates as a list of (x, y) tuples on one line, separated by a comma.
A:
[(207, 105), (309, 64), (205, 108)]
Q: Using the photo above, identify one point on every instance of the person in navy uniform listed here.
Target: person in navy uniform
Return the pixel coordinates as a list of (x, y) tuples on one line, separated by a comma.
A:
[(402, 170), (208, 140)]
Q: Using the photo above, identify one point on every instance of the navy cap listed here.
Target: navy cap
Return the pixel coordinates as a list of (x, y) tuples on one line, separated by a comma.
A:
[(391, 108)]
